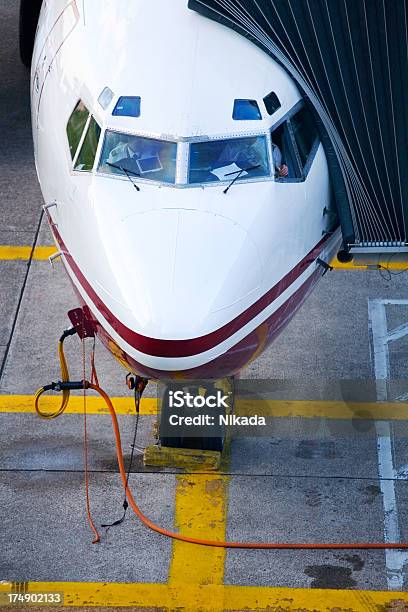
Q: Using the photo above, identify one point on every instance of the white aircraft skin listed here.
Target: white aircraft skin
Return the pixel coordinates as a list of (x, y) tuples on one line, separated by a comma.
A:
[(181, 279)]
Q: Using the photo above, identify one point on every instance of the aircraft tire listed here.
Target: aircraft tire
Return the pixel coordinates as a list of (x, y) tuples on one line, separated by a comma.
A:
[(29, 13)]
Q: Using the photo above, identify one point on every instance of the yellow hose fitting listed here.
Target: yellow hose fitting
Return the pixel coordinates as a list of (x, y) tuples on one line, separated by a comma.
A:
[(65, 392)]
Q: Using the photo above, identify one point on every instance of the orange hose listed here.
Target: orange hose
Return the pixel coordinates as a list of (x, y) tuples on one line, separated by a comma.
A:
[(87, 499), (220, 544), (97, 538), (94, 375)]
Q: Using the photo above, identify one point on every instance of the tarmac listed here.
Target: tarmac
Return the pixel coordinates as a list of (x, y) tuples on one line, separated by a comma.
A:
[(331, 471)]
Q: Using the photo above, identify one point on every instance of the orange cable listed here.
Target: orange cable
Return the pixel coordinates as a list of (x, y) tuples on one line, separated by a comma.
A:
[(88, 504), (94, 376), (216, 543)]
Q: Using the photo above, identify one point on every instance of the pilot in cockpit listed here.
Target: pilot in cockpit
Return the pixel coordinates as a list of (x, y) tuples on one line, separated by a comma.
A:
[(149, 158), (281, 169), (243, 152), (248, 154), (135, 149)]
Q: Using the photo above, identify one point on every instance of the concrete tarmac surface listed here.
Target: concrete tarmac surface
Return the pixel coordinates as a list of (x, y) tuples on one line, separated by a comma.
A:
[(333, 475)]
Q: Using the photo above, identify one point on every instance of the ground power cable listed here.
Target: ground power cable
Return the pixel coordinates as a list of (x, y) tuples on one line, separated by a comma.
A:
[(85, 385), (125, 504), (97, 538)]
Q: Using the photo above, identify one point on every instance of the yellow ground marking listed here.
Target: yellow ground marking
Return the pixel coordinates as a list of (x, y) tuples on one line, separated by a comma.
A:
[(200, 511), (188, 459), (312, 409), (306, 409), (42, 253), (208, 597), (23, 252), (392, 264), (95, 405)]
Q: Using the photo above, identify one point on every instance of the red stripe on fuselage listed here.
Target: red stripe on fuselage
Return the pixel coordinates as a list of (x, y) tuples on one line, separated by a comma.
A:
[(194, 346), (233, 360)]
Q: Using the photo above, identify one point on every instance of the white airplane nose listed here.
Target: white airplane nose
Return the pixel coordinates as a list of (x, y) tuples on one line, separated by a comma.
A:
[(183, 273)]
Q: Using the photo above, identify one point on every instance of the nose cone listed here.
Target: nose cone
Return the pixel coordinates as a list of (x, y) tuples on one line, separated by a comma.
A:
[(183, 273)]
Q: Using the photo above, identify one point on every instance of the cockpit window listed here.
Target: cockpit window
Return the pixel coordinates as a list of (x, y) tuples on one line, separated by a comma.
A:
[(86, 157), (75, 126), (106, 97), (272, 103), (128, 106), (222, 160), (151, 159), (284, 156), (305, 132), (246, 110)]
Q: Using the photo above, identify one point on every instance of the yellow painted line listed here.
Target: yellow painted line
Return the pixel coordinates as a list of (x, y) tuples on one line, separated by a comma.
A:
[(312, 409), (207, 597), (187, 459), (392, 264), (306, 409), (95, 405), (200, 511), (41, 253)]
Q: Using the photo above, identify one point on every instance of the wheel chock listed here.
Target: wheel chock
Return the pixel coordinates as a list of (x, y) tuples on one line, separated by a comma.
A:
[(183, 458)]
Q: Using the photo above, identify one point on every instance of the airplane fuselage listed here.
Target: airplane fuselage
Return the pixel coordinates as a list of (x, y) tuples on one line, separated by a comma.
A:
[(142, 120)]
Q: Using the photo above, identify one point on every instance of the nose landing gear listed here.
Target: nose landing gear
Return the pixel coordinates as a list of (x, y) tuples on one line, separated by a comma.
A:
[(196, 412), (191, 433)]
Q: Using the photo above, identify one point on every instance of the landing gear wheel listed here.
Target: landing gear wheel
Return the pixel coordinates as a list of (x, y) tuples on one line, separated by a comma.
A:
[(29, 13), (213, 443)]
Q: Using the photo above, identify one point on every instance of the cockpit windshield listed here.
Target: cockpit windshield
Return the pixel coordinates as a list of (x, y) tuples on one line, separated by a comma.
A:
[(222, 160), (149, 158)]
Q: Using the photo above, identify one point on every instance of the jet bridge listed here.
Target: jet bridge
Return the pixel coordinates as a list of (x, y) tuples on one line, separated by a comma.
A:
[(349, 58)]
